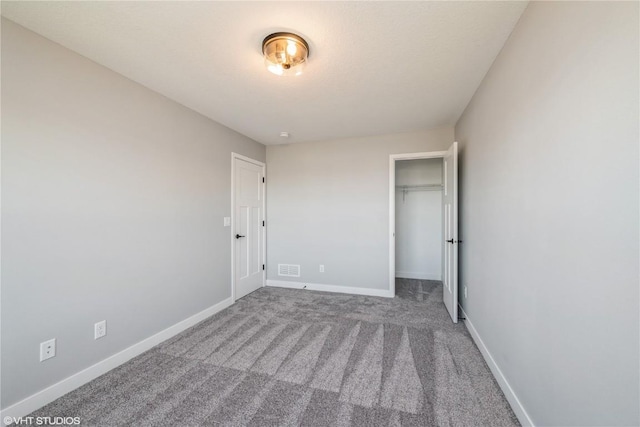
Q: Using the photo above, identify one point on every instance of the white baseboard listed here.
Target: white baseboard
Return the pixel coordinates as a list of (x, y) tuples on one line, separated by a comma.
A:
[(331, 288), (51, 393), (417, 275), (511, 396)]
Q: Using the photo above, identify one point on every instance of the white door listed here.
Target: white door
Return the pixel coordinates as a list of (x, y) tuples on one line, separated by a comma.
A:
[(450, 221), (248, 222)]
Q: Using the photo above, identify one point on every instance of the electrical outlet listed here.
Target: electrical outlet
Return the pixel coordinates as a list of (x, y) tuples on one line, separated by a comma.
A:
[(100, 329), (47, 349), (321, 268), (465, 291)]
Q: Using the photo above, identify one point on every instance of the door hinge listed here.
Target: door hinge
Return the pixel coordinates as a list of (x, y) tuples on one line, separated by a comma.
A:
[(263, 179), (263, 223), (263, 266)]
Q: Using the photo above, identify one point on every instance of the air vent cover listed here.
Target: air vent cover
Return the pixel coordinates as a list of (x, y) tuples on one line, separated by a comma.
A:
[(289, 270)]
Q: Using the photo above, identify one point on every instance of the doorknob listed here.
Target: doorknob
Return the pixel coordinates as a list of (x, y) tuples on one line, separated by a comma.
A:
[(238, 236), (450, 241)]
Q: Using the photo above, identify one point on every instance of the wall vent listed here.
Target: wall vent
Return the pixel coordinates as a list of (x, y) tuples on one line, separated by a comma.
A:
[(289, 270)]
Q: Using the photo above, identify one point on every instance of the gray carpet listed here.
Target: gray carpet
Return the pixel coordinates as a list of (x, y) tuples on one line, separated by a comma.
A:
[(283, 357)]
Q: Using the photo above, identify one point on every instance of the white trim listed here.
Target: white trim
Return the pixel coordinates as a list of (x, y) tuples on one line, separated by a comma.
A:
[(51, 393), (511, 396), (330, 288), (392, 206), (247, 159), (418, 275), (235, 156)]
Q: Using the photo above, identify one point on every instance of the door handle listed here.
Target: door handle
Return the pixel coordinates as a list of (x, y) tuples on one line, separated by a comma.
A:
[(238, 236), (450, 241)]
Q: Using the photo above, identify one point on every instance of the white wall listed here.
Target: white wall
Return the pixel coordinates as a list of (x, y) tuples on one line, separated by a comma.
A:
[(328, 203), (113, 200), (419, 220), (549, 212)]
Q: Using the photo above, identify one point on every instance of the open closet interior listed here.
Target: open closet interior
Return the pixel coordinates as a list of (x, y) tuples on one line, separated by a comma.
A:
[(419, 232)]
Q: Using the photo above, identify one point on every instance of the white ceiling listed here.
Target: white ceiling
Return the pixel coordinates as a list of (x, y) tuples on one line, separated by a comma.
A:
[(374, 67)]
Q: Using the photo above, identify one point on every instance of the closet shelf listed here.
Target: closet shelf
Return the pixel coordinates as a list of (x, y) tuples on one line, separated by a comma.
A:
[(423, 187)]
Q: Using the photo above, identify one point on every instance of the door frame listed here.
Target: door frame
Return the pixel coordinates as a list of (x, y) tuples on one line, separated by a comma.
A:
[(235, 156), (393, 158)]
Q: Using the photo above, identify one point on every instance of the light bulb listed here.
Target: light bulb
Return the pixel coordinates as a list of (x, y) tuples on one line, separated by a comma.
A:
[(291, 48), (285, 54)]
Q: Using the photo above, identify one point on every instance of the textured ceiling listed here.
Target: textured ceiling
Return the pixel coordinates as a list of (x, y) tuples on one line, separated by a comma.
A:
[(375, 67)]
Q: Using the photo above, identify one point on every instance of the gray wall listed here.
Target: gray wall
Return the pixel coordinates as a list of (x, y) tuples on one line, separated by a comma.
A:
[(113, 200), (328, 203), (549, 212)]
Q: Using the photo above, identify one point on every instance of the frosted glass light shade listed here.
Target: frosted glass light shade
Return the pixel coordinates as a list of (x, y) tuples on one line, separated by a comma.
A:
[(285, 54)]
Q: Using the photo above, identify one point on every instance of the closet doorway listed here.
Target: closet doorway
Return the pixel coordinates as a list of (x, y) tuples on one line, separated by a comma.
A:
[(423, 218), (419, 219)]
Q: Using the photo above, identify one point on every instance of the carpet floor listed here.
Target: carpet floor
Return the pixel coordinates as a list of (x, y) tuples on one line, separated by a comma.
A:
[(285, 357)]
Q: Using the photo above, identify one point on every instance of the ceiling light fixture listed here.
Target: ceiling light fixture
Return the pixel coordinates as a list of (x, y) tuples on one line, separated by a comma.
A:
[(285, 54)]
